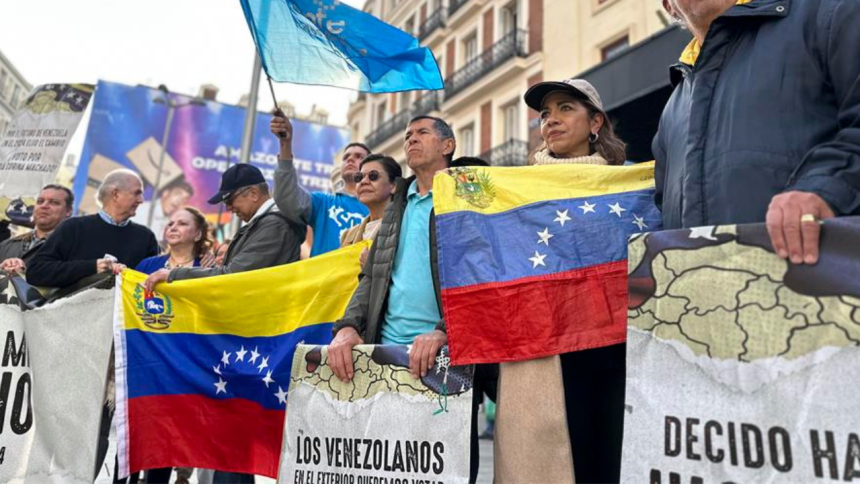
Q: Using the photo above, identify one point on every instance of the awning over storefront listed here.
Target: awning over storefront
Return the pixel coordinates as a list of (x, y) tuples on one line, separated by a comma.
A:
[(634, 87)]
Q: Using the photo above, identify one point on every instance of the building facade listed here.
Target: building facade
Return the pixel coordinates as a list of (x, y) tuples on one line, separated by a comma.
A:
[(490, 52), (13, 91)]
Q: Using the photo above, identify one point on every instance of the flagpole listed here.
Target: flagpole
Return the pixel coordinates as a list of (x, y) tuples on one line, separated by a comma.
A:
[(250, 123)]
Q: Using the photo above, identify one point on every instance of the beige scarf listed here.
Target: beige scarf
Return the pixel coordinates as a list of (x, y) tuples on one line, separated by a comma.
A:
[(543, 157), (532, 443)]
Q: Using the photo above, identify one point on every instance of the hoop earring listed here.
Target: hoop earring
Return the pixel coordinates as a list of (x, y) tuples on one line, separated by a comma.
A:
[(593, 137)]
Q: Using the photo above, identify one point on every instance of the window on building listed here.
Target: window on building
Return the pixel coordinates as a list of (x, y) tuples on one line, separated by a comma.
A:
[(2, 127), (470, 48), (436, 5), (611, 50), (409, 27), (16, 94), (466, 141), (511, 115), (509, 18), (3, 77), (405, 100), (381, 112)]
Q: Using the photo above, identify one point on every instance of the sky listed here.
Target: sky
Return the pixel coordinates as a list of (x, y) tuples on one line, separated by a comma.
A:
[(180, 43)]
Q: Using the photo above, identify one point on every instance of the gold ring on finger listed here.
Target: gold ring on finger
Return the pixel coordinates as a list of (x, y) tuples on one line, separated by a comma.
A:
[(808, 217)]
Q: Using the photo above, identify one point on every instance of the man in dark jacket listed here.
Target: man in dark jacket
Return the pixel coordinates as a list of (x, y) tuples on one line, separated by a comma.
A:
[(267, 239), (764, 122), (397, 300), (53, 205)]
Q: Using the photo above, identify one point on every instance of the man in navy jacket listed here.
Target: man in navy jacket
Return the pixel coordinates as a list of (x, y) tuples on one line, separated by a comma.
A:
[(764, 122)]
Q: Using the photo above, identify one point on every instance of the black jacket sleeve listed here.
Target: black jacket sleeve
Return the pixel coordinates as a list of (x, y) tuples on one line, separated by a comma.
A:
[(832, 169)]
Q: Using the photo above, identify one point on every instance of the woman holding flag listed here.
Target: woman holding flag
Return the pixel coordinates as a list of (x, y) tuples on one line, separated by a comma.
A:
[(579, 417)]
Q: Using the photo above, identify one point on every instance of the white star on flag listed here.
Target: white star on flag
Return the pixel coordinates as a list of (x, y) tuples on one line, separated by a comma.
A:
[(221, 386), (562, 217), (225, 359), (702, 233), (268, 378), (264, 364), (639, 222), (538, 260), (254, 355), (544, 236), (587, 207), (217, 369), (616, 209), (240, 355), (282, 395)]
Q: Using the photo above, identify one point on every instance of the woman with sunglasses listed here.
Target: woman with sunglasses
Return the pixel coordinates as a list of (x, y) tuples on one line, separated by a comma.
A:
[(374, 185)]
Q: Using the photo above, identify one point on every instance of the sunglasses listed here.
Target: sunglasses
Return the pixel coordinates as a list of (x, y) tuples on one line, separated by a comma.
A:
[(373, 175)]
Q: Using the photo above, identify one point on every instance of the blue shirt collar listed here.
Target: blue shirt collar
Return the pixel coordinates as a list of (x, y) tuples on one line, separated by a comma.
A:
[(413, 191), (110, 221)]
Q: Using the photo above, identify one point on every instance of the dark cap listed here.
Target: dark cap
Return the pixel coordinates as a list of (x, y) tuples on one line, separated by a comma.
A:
[(579, 88), (236, 177)]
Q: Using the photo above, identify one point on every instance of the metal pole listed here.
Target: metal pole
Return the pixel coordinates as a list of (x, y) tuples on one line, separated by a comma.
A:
[(164, 138), (250, 123), (251, 111)]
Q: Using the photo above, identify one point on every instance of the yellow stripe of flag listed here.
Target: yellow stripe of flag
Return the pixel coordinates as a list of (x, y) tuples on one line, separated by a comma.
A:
[(266, 302), (454, 192)]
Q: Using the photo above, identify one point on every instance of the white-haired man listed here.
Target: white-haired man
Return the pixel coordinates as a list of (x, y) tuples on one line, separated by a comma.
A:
[(107, 241)]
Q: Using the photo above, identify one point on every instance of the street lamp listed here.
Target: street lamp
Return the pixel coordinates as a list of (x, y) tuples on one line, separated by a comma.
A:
[(171, 107)]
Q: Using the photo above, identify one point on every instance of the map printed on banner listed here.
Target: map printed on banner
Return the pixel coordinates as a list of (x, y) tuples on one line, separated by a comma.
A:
[(383, 427), (739, 363), (33, 145)]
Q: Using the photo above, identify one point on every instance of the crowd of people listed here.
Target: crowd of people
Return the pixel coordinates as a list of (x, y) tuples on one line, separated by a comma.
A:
[(763, 126)]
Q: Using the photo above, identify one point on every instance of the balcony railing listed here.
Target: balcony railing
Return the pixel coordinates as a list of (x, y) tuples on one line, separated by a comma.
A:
[(510, 153), (425, 105), (455, 5), (513, 44), (389, 128), (433, 22), (397, 124)]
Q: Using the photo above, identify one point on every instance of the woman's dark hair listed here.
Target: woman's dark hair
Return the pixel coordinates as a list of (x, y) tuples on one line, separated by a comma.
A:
[(391, 167), (202, 246), (608, 144)]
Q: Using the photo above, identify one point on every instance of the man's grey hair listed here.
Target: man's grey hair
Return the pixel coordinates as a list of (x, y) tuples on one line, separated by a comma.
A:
[(263, 188), (120, 179)]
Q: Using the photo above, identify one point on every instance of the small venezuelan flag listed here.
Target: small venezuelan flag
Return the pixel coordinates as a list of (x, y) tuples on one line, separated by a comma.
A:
[(533, 260), (203, 366)]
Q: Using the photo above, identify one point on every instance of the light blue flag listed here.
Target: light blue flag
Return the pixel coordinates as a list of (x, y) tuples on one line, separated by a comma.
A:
[(328, 43)]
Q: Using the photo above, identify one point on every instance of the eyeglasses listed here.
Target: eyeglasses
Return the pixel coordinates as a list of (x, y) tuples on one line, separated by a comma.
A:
[(233, 196), (373, 175)]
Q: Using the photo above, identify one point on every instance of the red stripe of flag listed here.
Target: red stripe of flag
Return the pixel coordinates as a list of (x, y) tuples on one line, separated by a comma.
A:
[(204, 433), (538, 316)]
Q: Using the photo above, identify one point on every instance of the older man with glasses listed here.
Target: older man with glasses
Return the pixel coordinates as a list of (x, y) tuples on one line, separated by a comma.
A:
[(267, 238)]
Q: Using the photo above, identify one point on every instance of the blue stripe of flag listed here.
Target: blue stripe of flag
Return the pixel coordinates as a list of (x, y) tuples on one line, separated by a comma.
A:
[(476, 248), (186, 363)]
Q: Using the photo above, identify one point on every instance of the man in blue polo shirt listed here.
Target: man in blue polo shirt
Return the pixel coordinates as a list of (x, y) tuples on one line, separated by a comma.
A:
[(329, 215), (397, 300)]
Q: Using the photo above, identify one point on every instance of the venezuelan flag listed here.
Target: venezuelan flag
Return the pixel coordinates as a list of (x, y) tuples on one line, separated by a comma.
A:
[(203, 366), (533, 260)]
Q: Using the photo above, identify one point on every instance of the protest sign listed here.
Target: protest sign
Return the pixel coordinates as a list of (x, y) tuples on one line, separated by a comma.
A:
[(52, 388), (126, 130), (739, 363), (32, 147), (383, 427)]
